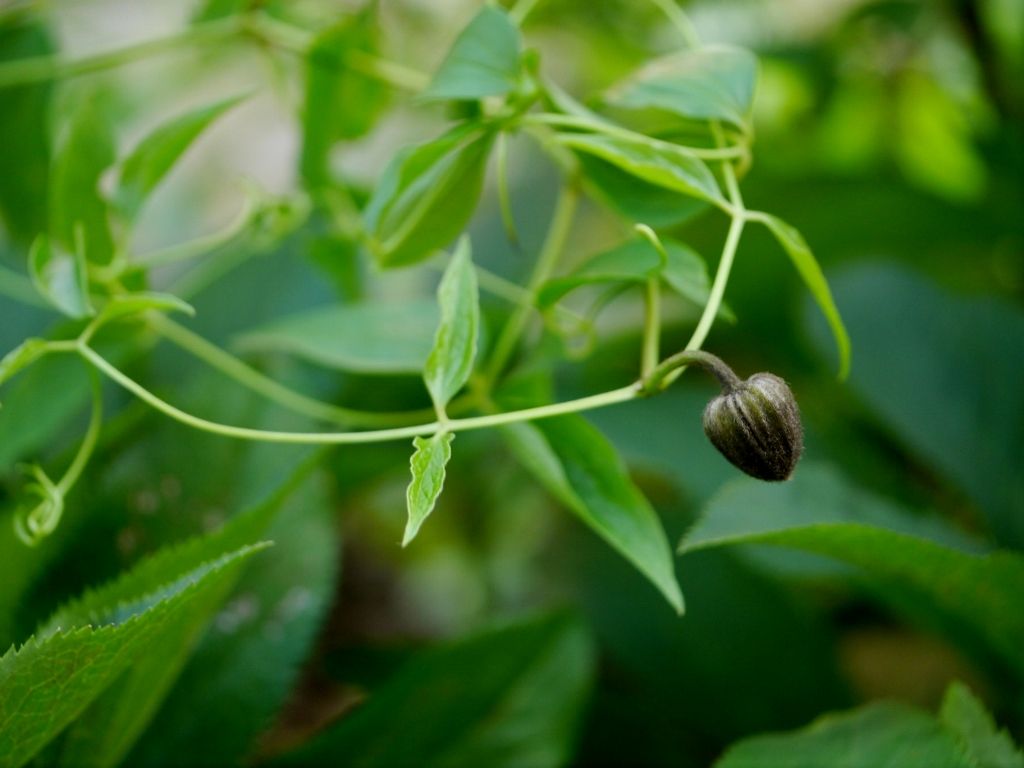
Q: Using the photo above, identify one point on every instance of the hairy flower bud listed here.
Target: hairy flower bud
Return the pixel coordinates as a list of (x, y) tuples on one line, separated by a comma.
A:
[(756, 425)]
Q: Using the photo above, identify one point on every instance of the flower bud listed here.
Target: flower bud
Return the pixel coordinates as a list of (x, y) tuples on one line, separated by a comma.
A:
[(756, 425)]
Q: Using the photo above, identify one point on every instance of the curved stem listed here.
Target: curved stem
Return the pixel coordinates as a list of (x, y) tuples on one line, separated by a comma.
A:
[(661, 376), (88, 445)]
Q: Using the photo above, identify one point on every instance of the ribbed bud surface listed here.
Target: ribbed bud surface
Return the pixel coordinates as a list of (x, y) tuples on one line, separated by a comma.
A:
[(756, 426)]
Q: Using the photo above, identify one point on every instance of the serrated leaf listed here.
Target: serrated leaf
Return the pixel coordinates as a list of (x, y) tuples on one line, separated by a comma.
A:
[(153, 157), (807, 266), (426, 196), (75, 199), (813, 512), (984, 744), (451, 359), (507, 697), (52, 678), (428, 469), (581, 469), (340, 102), (61, 277), (21, 357), (366, 338), (483, 61), (634, 261), (883, 735), (708, 83), (660, 164)]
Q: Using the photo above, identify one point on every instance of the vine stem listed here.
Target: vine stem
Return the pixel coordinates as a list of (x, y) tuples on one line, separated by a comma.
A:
[(624, 394), (92, 433)]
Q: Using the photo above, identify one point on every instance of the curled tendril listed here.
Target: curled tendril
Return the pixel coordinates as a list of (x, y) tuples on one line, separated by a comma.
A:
[(34, 523)]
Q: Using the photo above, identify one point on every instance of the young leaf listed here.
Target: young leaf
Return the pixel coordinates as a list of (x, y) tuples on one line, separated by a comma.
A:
[(709, 83), (800, 254), (365, 338), (154, 156), (812, 513), (21, 357), (451, 360), (581, 469), (966, 718), (61, 277), (128, 304), (426, 196), (660, 164), (508, 697), (341, 102), (484, 60), (883, 735), (86, 151), (427, 465)]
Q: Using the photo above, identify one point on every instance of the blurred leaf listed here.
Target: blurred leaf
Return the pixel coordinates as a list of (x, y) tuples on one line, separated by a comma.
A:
[(709, 83), (247, 663), (127, 304), (483, 61), (816, 512), (507, 697), (61, 277), (985, 745), (944, 374), (633, 262), (800, 254), (660, 164), (21, 357), (52, 678), (428, 470), (340, 102), (368, 338), (426, 196), (451, 359), (86, 151), (25, 159), (580, 468), (881, 735), (154, 156)]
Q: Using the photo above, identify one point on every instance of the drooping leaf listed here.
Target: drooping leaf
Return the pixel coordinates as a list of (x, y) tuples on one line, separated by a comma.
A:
[(366, 338), (483, 61), (803, 259), (153, 157), (426, 196), (341, 101), (709, 83), (882, 735), (634, 262), (507, 697), (661, 164), (21, 357), (86, 151), (61, 277), (451, 359), (127, 304), (581, 469), (984, 744), (428, 470), (816, 512)]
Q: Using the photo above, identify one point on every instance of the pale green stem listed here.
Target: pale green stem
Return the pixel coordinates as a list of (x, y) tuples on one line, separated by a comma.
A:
[(249, 377), (612, 397), (551, 251), (652, 326), (74, 471), (660, 377)]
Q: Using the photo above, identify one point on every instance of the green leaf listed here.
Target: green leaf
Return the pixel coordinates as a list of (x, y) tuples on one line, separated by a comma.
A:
[(366, 338), (426, 196), (817, 512), (483, 61), (340, 102), (660, 164), (61, 277), (48, 682), (883, 735), (800, 254), (709, 83), (428, 470), (581, 469), (985, 746), (508, 697), (634, 261), (21, 357), (127, 304), (86, 151), (451, 359), (154, 156)]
